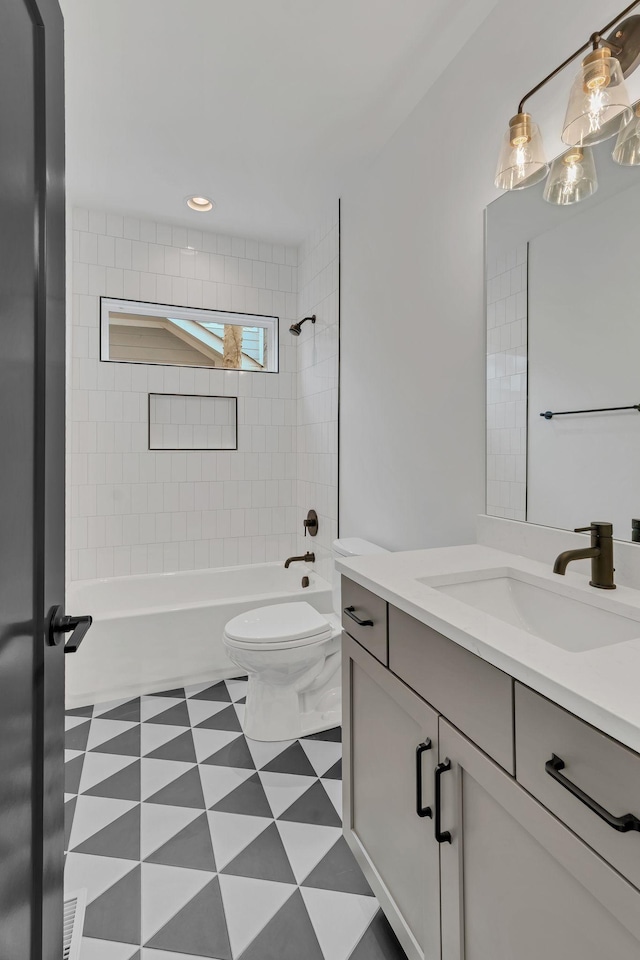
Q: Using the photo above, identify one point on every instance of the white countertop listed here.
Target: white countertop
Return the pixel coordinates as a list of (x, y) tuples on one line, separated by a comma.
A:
[(601, 686)]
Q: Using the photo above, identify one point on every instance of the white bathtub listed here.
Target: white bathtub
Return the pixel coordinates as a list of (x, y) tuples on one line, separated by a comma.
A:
[(159, 631)]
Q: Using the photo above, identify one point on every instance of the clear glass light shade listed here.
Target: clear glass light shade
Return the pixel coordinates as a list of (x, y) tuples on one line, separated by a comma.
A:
[(522, 161), (598, 102), (572, 178), (627, 149)]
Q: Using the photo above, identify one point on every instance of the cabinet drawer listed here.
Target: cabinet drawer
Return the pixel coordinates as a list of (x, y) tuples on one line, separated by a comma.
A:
[(606, 773), (475, 696), (359, 604)]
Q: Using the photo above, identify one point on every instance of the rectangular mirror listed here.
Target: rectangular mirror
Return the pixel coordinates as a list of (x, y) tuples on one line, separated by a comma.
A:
[(563, 351), (133, 332)]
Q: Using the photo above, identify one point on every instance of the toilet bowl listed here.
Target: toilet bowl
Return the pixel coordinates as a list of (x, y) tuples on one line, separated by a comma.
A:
[(292, 656)]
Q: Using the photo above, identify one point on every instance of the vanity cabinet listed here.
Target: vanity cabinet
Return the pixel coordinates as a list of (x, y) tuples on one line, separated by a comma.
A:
[(506, 863), (516, 883), (390, 742)]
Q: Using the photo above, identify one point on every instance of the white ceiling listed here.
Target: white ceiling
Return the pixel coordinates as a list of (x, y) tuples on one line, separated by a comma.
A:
[(266, 106)]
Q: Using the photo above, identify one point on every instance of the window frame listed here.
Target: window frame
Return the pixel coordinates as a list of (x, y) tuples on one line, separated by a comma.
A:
[(142, 308)]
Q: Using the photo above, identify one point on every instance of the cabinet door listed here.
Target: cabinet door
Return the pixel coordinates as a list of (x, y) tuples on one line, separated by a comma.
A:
[(385, 780), (515, 882)]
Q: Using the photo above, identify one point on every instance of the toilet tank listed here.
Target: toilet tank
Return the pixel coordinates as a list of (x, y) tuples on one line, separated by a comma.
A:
[(349, 547)]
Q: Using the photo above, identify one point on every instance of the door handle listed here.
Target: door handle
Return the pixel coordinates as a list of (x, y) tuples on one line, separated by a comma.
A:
[(420, 749), (58, 624), (361, 623), (442, 836), (623, 824)]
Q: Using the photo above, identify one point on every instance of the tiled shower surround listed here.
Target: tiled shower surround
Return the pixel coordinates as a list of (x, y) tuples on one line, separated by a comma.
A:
[(131, 510)]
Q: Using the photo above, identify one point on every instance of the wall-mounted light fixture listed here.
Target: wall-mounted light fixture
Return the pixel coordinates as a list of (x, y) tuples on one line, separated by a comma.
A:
[(598, 108)]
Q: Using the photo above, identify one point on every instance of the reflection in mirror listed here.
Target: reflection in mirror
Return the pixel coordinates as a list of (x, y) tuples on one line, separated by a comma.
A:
[(563, 336), (135, 332)]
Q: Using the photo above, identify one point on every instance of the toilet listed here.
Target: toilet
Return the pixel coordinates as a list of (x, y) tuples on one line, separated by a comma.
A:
[(291, 654)]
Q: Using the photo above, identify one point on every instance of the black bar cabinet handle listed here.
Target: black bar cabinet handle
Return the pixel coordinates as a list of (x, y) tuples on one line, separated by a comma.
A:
[(420, 749), (361, 623), (623, 824), (442, 836)]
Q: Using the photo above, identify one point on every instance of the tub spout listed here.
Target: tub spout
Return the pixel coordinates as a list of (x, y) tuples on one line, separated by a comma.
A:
[(307, 558)]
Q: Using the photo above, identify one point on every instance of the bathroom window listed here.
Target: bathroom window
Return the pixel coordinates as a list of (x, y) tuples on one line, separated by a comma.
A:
[(133, 332)]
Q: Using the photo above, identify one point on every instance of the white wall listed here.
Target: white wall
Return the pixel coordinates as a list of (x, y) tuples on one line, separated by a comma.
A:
[(584, 352), (412, 323)]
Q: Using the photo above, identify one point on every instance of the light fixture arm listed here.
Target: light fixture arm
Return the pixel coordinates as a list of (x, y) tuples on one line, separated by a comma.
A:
[(593, 41)]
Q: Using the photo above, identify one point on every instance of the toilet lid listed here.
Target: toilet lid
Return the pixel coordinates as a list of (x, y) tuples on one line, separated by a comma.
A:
[(278, 623)]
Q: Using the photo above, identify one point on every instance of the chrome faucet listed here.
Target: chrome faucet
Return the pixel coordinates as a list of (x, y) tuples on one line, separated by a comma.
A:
[(308, 558), (600, 553)]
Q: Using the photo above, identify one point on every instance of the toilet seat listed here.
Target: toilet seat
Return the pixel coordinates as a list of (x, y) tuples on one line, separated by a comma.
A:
[(279, 626)]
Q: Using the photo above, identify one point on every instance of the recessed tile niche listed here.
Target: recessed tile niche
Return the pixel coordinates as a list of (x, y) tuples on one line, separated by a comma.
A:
[(178, 422)]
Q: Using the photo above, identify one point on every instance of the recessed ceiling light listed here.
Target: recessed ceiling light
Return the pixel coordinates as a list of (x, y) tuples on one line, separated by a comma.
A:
[(200, 204)]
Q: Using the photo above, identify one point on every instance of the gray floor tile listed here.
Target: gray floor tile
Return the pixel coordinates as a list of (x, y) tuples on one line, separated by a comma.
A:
[(120, 839), (126, 711), (218, 691), (190, 848), (334, 734), (176, 716), (186, 791), (199, 928), (72, 774), (379, 942), (76, 738), (292, 760), (338, 870), (288, 936), (264, 859), (177, 694), (249, 799), (180, 748), (124, 785), (314, 806), (127, 744), (115, 915), (335, 773), (227, 719), (235, 754)]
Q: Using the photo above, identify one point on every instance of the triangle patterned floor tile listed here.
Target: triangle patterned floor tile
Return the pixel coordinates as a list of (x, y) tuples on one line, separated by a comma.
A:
[(76, 738), (334, 735), (314, 806), (69, 810), (126, 744), (323, 754), (289, 935), (335, 773), (379, 942), (231, 833), (115, 914), (186, 791), (334, 790), (129, 710), (208, 742), (266, 899), (217, 691), (73, 773), (175, 716), (80, 711), (91, 949), (264, 859), (123, 785), (177, 694), (71, 722), (103, 730), (306, 845), (264, 751), (283, 789), (223, 720), (339, 919), (339, 871), (191, 848), (165, 891), (159, 823), (154, 735), (151, 706), (234, 754), (237, 688), (94, 874), (100, 766), (199, 928), (292, 760), (93, 814), (120, 839), (248, 798), (156, 774), (180, 748), (201, 710)]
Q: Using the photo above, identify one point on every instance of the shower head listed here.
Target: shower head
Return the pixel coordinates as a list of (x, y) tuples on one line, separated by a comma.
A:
[(296, 328)]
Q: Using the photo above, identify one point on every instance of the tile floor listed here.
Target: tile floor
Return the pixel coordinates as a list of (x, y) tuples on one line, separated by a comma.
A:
[(193, 841)]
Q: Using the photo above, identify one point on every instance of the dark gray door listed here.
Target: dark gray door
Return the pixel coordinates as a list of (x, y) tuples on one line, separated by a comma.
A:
[(32, 353)]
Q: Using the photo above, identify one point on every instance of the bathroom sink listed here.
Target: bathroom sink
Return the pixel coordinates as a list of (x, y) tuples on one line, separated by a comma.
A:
[(558, 618)]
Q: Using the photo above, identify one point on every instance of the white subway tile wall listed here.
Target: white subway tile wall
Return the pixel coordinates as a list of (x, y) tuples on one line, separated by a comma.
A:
[(317, 388), (178, 422), (507, 279), (132, 510)]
